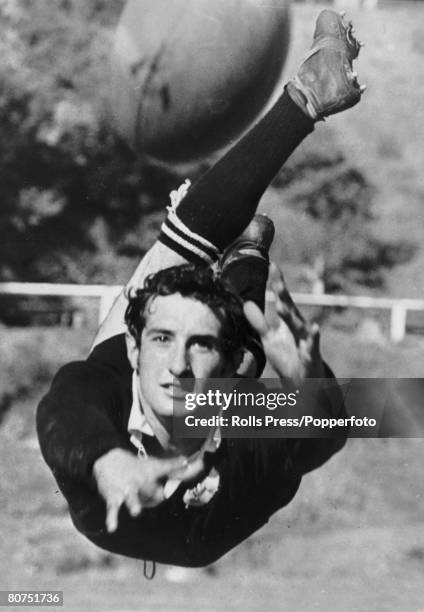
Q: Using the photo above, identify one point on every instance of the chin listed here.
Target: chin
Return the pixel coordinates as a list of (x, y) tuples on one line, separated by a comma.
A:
[(164, 412), (168, 409)]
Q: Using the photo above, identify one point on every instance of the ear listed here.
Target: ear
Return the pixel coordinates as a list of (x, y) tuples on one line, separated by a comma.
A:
[(132, 350)]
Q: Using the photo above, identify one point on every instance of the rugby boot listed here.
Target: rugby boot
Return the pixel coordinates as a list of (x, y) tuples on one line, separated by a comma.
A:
[(255, 241), (244, 265), (325, 83)]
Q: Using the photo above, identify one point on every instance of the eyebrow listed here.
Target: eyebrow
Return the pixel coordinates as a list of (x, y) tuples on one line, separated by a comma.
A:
[(160, 330), (206, 337), (192, 339)]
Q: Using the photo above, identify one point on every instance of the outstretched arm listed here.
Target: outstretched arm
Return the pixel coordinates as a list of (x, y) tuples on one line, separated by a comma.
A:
[(292, 348), (77, 423), (83, 440), (291, 345), (124, 479)]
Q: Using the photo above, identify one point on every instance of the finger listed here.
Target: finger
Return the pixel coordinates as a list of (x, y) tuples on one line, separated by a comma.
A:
[(295, 324), (279, 286), (310, 353), (112, 511), (133, 503), (156, 498), (190, 471), (256, 318), (276, 277), (165, 467), (284, 301), (285, 307), (285, 344), (315, 335), (311, 343), (290, 314), (275, 273)]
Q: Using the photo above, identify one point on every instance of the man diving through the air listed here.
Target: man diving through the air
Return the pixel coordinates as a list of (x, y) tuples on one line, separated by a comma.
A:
[(105, 425)]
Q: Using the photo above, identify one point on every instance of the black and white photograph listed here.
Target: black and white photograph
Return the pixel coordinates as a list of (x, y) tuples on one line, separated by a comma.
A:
[(212, 305)]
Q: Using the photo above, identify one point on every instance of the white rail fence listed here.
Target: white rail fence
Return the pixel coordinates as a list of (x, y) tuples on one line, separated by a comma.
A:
[(398, 307), (105, 294)]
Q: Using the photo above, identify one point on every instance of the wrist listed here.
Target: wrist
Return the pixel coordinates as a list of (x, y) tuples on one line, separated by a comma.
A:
[(106, 459)]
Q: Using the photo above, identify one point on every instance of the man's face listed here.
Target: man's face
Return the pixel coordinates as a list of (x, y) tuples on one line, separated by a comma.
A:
[(181, 340)]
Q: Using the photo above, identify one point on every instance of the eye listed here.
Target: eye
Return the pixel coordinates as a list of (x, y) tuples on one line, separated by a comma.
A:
[(161, 338), (203, 345)]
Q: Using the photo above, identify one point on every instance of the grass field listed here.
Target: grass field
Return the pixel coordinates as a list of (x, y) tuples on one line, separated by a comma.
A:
[(353, 539)]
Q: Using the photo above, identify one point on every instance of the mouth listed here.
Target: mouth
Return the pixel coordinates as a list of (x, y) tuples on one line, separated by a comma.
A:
[(175, 391)]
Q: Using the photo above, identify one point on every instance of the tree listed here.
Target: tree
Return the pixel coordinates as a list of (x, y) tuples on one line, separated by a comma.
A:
[(78, 206), (336, 199), (71, 194)]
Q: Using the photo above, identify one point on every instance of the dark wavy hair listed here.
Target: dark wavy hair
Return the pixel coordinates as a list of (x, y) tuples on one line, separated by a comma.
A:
[(198, 283)]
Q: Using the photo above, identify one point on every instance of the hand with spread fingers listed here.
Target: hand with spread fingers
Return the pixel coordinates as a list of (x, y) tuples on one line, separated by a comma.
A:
[(292, 345), (124, 479)]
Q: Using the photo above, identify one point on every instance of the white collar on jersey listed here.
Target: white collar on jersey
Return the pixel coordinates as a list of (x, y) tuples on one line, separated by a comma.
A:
[(143, 421)]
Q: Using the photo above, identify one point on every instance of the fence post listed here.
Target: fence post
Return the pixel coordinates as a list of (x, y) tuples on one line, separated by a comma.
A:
[(397, 322)]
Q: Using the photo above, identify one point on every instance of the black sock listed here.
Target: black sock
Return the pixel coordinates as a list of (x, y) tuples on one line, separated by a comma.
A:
[(224, 200)]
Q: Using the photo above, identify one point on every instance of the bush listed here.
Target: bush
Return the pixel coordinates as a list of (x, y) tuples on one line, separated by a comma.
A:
[(77, 206), (73, 196), (336, 201)]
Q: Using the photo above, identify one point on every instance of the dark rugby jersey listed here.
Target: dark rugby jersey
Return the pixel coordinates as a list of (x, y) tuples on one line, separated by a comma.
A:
[(85, 414)]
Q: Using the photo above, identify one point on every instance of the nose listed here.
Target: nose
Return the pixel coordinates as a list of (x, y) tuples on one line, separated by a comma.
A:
[(179, 363)]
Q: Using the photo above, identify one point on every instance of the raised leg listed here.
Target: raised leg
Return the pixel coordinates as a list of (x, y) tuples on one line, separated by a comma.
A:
[(206, 218)]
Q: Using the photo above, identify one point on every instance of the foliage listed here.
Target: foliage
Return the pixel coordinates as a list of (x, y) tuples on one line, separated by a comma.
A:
[(336, 198), (77, 206), (72, 196)]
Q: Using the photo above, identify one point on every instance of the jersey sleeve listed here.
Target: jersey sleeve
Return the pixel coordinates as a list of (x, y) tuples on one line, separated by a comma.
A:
[(112, 354), (311, 452), (80, 419)]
